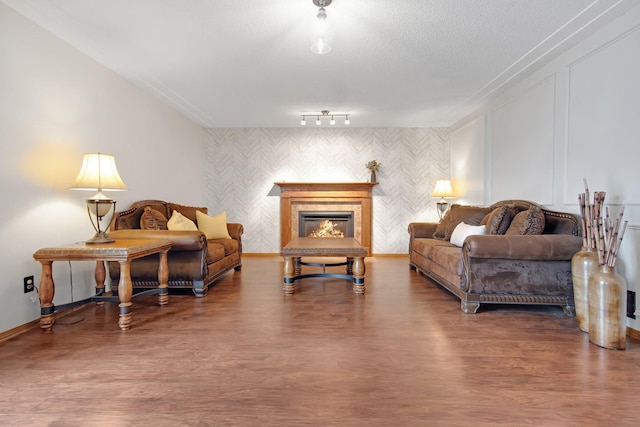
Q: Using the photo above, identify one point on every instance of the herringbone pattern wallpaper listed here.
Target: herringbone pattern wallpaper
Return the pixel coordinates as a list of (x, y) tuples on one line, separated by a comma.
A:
[(243, 164)]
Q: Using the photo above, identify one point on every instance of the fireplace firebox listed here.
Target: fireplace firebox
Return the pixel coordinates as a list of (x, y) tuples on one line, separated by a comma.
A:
[(325, 224)]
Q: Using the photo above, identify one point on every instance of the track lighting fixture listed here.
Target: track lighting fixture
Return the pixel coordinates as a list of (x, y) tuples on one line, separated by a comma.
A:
[(321, 115)]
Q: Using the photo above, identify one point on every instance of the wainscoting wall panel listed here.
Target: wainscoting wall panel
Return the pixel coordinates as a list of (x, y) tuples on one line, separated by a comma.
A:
[(523, 144), (244, 163), (603, 105)]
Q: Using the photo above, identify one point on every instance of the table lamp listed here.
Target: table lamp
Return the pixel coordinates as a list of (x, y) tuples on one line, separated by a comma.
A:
[(99, 173), (444, 191)]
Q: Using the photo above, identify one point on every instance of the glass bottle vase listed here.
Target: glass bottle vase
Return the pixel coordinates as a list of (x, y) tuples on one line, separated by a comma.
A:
[(607, 309), (374, 178), (583, 264)]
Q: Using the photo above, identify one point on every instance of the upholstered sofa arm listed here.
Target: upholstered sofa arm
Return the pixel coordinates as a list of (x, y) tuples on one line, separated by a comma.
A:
[(422, 229), (180, 240), (542, 247), (235, 230)]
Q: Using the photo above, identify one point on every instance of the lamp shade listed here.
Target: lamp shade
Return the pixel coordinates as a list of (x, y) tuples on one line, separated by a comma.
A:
[(442, 189), (98, 173)]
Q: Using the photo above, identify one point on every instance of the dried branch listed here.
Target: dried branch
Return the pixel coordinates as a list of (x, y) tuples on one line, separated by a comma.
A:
[(583, 210), (617, 247), (600, 232)]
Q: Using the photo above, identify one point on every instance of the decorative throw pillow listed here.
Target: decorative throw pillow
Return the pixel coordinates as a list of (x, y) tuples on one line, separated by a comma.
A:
[(186, 211), (180, 222), (499, 219), (214, 227), (441, 229), (471, 215), (152, 219), (463, 230), (527, 222)]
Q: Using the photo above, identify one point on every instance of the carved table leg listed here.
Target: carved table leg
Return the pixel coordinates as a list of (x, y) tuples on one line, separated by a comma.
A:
[(163, 279), (100, 275), (124, 293), (350, 265), (289, 281), (47, 290), (297, 265), (358, 276)]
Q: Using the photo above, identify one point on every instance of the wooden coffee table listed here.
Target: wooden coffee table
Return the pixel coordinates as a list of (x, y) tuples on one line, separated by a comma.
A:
[(122, 251), (323, 247)]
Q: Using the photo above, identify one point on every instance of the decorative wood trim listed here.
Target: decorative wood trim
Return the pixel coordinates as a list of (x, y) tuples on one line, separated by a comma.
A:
[(19, 330), (326, 192), (632, 333)]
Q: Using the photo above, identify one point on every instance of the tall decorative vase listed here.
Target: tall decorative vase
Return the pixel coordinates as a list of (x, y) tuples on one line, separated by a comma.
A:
[(607, 309), (374, 178), (583, 264)]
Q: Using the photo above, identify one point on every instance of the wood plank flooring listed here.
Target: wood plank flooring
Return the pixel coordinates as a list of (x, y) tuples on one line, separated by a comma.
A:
[(247, 355)]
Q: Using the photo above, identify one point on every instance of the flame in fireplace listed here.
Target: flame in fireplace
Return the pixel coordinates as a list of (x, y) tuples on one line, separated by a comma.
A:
[(326, 229)]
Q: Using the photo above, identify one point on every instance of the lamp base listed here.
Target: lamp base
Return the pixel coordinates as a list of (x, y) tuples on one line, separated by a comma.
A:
[(442, 208), (100, 237)]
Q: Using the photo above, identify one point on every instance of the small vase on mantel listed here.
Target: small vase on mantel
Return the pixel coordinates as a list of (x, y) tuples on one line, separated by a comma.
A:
[(607, 309), (374, 178), (583, 264)]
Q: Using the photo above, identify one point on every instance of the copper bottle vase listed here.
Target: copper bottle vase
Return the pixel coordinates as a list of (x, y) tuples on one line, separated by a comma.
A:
[(607, 309), (583, 264)]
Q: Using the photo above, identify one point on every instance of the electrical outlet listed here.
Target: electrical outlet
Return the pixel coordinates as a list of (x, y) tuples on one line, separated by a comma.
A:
[(631, 304), (29, 286)]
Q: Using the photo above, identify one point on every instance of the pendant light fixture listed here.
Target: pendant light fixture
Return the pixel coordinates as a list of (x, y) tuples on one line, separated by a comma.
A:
[(321, 44)]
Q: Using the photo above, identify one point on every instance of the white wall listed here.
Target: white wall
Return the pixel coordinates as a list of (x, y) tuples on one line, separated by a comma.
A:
[(468, 162), (57, 104), (243, 164), (575, 118)]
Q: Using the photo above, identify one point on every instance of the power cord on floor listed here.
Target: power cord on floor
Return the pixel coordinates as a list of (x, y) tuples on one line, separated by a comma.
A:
[(72, 320)]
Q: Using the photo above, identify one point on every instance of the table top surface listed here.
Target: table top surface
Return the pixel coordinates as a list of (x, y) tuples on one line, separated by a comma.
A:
[(324, 246), (122, 249)]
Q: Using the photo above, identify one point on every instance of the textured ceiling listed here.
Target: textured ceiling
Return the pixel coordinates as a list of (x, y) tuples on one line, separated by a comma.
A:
[(395, 63)]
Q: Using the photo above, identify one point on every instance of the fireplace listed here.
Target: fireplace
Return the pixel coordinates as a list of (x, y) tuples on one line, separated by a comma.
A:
[(341, 198), (334, 224)]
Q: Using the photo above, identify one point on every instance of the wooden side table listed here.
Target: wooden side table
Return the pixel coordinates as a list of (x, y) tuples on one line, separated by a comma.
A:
[(122, 251)]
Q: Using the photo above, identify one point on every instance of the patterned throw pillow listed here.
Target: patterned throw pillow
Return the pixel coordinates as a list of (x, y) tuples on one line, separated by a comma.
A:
[(527, 222), (152, 219), (471, 215), (499, 219)]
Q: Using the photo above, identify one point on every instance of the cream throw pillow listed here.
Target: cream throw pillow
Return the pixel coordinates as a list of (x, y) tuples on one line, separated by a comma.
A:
[(180, 222), (463, 230), (214, 227)]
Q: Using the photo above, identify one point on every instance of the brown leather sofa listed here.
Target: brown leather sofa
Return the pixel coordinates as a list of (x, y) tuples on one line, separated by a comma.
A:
[(510, 264), (194, 261)]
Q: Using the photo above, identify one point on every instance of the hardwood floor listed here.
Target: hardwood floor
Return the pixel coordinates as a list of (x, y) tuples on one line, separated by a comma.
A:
[(247, 355)]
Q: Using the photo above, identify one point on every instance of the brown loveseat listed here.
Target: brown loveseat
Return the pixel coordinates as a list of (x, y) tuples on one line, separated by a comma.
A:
[(194, 261), (523, 259)]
